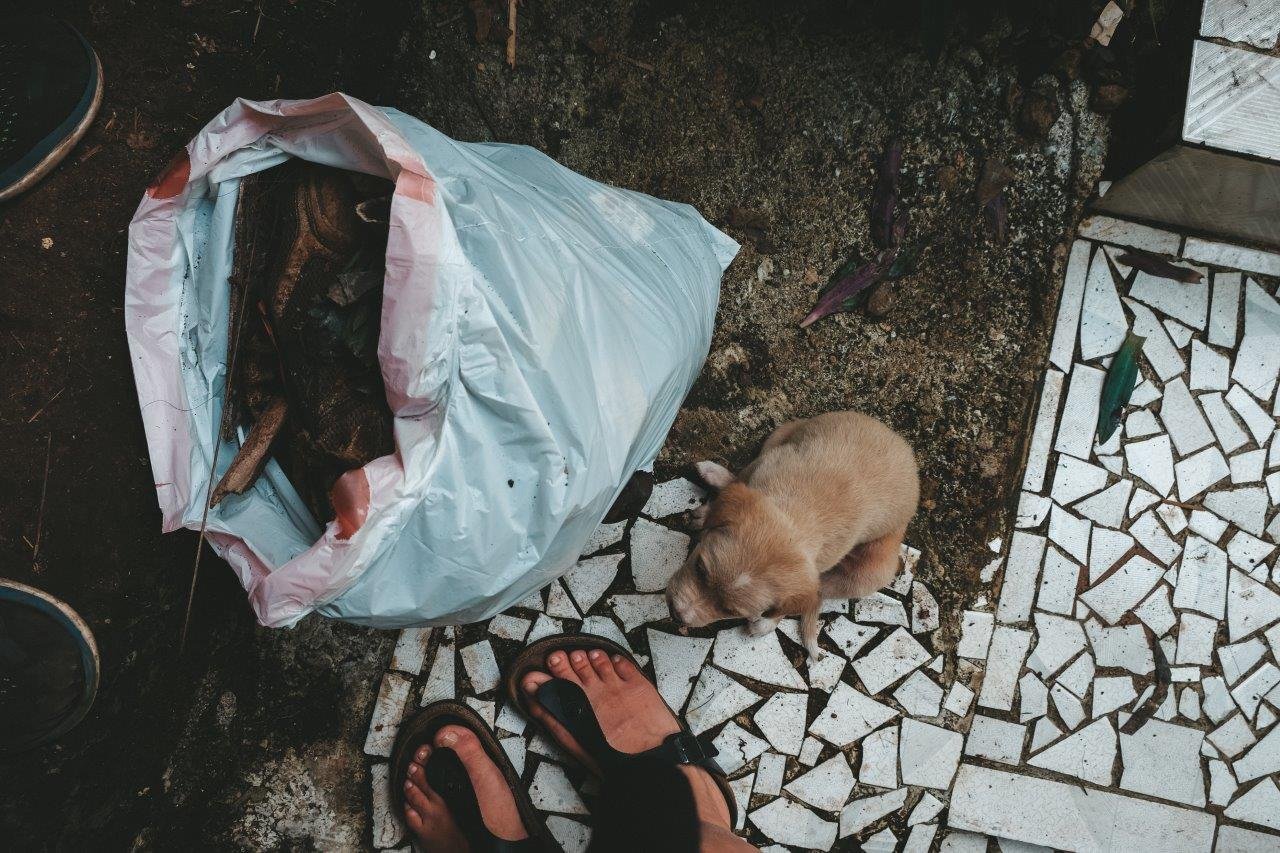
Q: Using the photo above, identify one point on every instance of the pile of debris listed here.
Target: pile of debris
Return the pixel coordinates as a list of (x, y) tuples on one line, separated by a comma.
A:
[(306, 304)]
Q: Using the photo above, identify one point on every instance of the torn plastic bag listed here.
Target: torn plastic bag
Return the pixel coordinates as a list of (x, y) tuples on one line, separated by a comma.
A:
[(539, 331)]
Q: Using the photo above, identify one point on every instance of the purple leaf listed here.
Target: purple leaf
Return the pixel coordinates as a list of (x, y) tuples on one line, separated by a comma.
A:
[(842, 294), (886, 196), (1159, 267), (995, 218)]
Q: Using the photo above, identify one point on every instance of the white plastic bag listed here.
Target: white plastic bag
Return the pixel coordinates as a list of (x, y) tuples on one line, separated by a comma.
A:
[(539, 332)]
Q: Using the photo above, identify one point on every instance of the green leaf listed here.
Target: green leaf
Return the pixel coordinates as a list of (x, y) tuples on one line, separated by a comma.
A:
[(1122, 378)]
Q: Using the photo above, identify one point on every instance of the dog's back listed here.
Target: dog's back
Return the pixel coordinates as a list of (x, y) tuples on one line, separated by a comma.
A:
[(844, 478)]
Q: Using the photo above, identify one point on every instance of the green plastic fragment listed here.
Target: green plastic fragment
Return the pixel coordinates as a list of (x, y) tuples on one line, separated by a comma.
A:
[(1122, 378)]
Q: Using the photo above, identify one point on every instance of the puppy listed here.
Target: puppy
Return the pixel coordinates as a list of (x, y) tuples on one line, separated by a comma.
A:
[(821, 513)]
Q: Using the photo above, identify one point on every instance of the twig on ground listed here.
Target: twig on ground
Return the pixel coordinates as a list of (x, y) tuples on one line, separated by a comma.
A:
[(511, 35), (47, 405), (44, 489)]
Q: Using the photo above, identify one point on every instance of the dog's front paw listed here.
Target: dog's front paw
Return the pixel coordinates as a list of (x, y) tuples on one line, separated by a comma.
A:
[(760, 626), (814, 650)]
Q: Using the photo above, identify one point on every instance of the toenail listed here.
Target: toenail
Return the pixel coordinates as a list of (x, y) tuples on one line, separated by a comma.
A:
[(422, 753), (596, 655), (555, 658), (530, 686), (408, 786), (617, 658), (448, 739), (577, 657), (414, 770)]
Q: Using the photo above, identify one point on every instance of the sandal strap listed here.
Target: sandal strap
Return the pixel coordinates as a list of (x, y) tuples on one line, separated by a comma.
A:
[(683, 748)]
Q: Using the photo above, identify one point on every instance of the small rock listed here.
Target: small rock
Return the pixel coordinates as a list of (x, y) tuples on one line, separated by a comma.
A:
[(1039, 113), (881, 301), (1108, 97), (46, 243)]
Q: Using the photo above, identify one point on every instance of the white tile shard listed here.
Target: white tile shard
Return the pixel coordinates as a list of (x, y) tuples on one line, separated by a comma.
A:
[(1106, 229), (1158, 350), (1246, 506), (826, 786), (1108, 506), (676, 662), (1222, 421), (1250, 605), (551, 791), (1102, 320), (1074, 478), (890, 661), (1021, 576), (759, 658), (410, 650), (1210, 369), (481, 666), (1224, 309), (1183, 420), (880, 609), (589, 579), (1079, 417), (1066, 816), (1187, 302), (1163, 760), (1089, 754), (737, 747), (927, 754), (996, 740), (1062, 350), (1119, 593), (1257, 362), (388, 708), (1200, 471), (1260, 424), (919, 695), (1042, 431), (849, 716), (769, 773), (673, 496), (440, 681), (636, 610), (604, 536), (879, 763), (790, 823), (1259, 805), (1004, 664), (715, 698), (862, 813), (1151, 460), (1058, 580), (1069, 533), (508, 627), (781, 720), (656, 553)]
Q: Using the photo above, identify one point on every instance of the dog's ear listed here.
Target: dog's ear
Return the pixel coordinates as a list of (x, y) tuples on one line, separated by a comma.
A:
[(714, 475)]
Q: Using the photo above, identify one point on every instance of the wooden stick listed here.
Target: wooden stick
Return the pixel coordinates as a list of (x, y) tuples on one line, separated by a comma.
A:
[(511, 35)]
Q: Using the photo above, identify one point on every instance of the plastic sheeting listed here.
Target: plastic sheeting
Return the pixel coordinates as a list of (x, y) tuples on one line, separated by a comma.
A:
[(539, 332)]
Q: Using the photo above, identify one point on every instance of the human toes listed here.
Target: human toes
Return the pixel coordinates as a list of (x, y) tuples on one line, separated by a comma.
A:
[(602, 666), (419, 761), (582, 666), (559, 665), (418, 796), (624, 668), (463, 742)]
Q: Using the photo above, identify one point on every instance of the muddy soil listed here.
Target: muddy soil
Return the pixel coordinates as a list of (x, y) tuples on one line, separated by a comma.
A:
[(768, 117)]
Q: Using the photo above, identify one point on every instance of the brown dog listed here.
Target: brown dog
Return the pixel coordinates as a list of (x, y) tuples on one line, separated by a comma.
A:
[(821, 513)]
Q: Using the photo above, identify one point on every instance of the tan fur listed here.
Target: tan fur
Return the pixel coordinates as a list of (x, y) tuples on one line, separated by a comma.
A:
[(820, 513)]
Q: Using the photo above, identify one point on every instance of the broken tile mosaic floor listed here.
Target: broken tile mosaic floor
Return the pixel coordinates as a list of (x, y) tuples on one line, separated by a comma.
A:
[(1115, 686)]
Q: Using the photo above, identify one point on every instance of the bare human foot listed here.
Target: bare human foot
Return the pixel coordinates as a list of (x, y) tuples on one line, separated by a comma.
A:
[(632, 716), (426, 814)]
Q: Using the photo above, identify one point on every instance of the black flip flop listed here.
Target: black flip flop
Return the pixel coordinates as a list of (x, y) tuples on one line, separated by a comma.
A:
[(448, 778), (569, 705)]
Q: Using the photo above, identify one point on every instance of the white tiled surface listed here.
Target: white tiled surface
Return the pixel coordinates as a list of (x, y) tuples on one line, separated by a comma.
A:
[(1043, 722), (1233, 98)]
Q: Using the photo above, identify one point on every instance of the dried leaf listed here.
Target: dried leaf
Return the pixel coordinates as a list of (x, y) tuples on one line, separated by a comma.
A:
[(1159, 267), (845, 292), (1122, 377), (885, 198), (995, 218), (995, 176)]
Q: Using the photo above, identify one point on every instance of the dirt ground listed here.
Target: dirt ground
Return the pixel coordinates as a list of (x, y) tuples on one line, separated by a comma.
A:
[(768, 121)]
